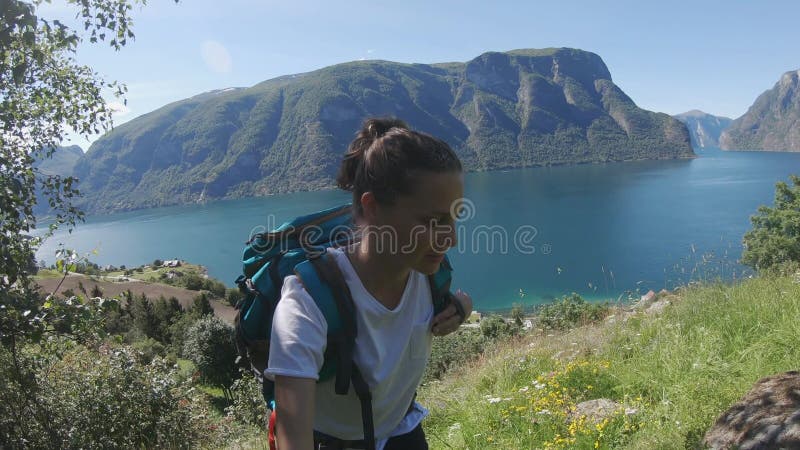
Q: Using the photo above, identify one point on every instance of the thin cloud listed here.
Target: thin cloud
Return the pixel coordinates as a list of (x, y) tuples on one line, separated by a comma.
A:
[(216, 57), (119, 109), (368, 55)]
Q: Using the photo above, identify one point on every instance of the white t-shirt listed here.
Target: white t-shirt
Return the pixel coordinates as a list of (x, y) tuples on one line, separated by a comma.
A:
[(392, 349)]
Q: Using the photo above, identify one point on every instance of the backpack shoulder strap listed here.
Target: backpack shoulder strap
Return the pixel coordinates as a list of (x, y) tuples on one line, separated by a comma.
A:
[(325, 283)]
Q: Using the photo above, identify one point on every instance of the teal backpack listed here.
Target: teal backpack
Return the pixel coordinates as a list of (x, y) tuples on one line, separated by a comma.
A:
[(298, 247)]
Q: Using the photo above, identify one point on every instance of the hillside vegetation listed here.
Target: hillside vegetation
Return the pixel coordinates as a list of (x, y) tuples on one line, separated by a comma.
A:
[(671, 374), (499, 110), (771, 122)]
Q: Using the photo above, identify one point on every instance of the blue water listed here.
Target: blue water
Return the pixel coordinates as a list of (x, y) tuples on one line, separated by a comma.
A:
[(605, 231)]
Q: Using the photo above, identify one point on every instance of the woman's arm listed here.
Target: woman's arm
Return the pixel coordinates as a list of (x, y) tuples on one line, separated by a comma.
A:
[(294, 424)]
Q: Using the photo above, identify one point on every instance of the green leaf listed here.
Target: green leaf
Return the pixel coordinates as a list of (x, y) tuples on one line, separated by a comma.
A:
[(18, 73)]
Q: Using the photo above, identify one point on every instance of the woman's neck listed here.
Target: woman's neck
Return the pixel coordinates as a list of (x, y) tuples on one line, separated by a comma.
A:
[(379, 273)]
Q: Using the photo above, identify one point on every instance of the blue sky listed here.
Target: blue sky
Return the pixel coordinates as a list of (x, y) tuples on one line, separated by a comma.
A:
[(668, 56)]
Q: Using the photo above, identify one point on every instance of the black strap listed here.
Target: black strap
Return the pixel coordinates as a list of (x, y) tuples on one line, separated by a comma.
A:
[(346, 369), (365, 397), (274, 273), (459, 307), (442, 296)]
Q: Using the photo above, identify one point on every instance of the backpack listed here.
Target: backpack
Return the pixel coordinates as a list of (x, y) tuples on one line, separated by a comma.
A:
[(298, 247)]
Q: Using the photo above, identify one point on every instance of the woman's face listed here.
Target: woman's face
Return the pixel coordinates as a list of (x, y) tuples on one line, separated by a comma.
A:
[(420, 227)]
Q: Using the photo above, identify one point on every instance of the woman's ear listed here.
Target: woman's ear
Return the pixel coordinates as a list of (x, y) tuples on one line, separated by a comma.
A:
[(369, 207)]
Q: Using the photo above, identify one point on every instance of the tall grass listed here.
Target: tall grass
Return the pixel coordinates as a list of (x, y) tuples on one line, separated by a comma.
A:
[(672, 374)]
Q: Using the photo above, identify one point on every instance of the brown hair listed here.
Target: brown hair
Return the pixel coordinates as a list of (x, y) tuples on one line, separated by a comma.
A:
[(386, 155)]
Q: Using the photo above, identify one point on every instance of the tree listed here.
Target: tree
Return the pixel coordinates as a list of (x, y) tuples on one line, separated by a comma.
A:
[(774, 239), (201, 306), (96, 291), (144, 319), (210, 346), (166, 313), (44, 93), (517, 314)]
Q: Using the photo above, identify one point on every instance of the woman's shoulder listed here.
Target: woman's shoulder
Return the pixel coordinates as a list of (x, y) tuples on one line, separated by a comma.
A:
[(295, 299)]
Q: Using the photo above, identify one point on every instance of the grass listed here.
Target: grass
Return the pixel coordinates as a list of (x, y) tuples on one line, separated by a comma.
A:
[(671, 374), (47, 273)]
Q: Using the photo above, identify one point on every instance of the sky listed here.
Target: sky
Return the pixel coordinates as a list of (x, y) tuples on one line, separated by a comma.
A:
[(668, 56)]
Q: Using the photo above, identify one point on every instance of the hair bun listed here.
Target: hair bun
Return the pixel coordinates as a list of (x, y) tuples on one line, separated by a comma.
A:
[(372, 130), (375, 128)]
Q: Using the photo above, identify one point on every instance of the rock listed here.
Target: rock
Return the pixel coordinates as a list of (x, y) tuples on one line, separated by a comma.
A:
[(767, 417), (657, 307), (621, 316), (596, 410), (647, 297)]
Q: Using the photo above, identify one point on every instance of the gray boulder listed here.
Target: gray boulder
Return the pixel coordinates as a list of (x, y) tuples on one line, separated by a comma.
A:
[(767, 417)]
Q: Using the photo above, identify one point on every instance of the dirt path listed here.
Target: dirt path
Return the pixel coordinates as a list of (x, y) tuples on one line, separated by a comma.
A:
[(151, 290)]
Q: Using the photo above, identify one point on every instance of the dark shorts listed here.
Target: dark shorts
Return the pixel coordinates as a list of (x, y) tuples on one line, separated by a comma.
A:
[(413, 440)]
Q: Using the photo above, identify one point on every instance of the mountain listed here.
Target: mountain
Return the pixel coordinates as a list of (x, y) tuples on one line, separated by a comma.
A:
[(499, 110), (772, 123), (704, 129), (61, 162)]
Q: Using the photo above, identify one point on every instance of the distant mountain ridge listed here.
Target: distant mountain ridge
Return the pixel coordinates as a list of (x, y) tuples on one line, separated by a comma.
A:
[(704, 129), (61, 162), (500, 110), (772, 122)]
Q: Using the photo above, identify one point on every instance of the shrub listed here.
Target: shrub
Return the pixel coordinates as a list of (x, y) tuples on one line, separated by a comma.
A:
[(210, 346), (193, 282), (216, 288), (453, 350), (98, 399), (572, 310), (148, 349), (248, 405), (233, 296), (495, 327), (774, 239)]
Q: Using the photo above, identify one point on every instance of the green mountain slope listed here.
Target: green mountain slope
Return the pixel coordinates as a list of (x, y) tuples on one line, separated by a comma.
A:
[(499, 110), (772, 123)]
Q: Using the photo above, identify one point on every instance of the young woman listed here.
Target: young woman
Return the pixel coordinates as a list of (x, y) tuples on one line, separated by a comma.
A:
[(405, 185)]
